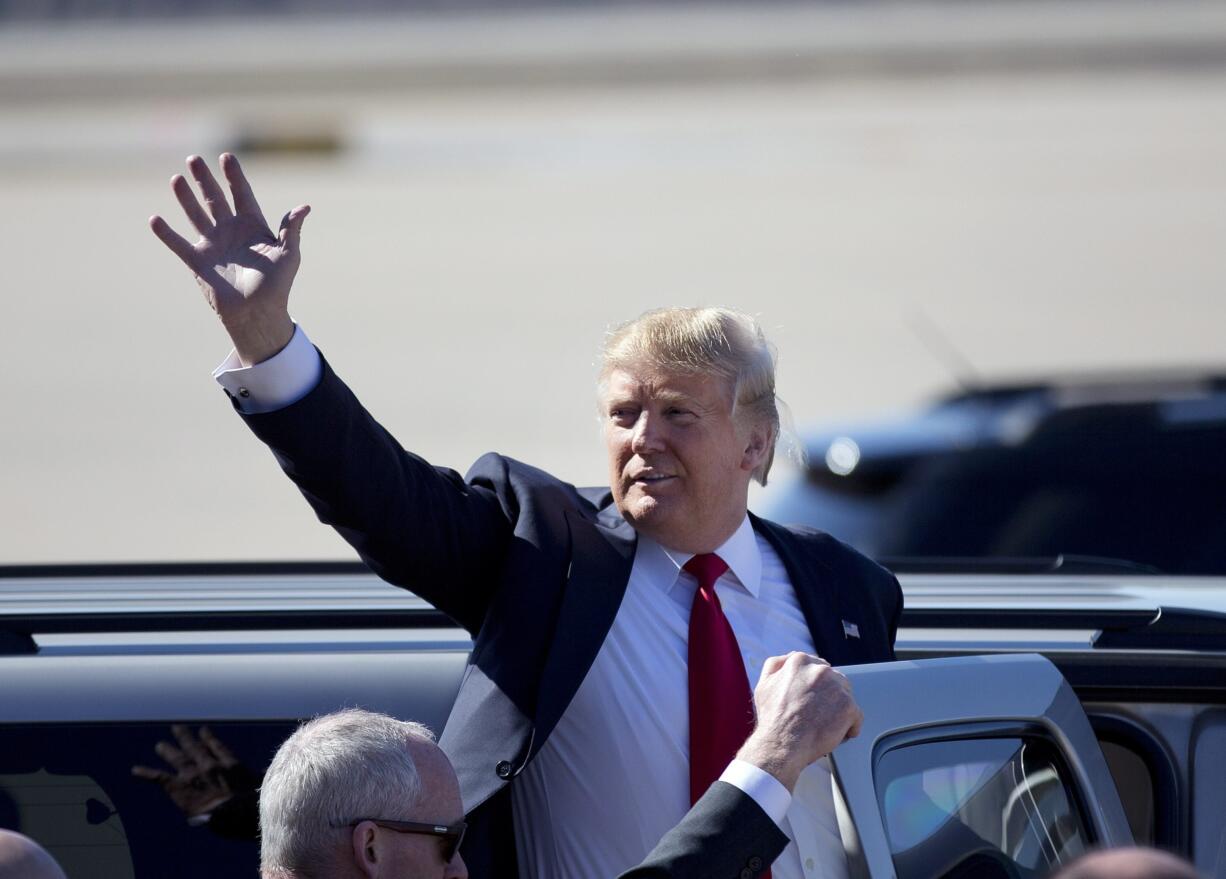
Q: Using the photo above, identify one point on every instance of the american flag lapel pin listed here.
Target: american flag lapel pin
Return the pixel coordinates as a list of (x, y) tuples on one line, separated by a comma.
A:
[(850, 630)]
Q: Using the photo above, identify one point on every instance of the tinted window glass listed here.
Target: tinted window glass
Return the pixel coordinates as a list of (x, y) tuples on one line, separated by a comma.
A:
[(1136, 786), (71, 788), (978, 808)]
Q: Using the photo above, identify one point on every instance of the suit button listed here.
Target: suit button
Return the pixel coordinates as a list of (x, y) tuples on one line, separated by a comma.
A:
[(755, 864), (503, 770), (747, 873)]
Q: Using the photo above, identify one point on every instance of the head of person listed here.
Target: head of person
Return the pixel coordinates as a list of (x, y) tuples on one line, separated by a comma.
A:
[(360, 794), (23, 858), (1128, 863), (687, 400)]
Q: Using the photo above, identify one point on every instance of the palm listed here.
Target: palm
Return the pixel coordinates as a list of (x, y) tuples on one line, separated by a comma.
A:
[(244, 268), (241, 262)]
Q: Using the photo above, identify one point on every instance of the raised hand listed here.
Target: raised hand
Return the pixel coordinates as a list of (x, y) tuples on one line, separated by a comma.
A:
[(243, 268), (205, 775), (805, 710)]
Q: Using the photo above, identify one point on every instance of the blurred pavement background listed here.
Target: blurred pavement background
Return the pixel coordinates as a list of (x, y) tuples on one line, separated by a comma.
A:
[(1037, 186)]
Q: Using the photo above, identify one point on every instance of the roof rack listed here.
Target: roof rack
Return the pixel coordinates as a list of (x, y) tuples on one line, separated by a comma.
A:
[(1028, 618), (132, 597), (1163, 628), (1058, 564), (17, 631), (181, 569)]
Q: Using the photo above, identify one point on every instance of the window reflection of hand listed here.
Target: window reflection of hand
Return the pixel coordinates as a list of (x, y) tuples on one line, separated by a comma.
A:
[(205, 773)]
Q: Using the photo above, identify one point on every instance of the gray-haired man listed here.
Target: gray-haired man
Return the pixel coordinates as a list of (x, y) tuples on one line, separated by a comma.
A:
[(360, 794)]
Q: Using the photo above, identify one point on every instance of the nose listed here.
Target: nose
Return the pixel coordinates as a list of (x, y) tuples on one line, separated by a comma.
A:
[(646, 437)]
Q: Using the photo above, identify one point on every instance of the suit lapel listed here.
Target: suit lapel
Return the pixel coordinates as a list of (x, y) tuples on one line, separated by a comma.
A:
[(602, 553), (816, 589)]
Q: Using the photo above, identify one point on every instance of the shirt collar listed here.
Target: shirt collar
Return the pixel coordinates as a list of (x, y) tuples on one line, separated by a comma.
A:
[(740, 552)]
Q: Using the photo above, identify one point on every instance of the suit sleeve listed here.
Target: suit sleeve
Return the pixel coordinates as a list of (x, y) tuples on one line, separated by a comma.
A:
[(415, 525), (726, 835)]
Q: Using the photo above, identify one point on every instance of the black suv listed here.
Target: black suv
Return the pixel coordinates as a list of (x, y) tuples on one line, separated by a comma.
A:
[(1123, 468)]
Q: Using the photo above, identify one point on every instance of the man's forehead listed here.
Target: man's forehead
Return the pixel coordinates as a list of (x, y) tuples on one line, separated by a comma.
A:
[(441, 795), (657, 383)]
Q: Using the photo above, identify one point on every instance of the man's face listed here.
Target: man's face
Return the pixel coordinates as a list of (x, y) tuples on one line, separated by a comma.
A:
[(679, 466)]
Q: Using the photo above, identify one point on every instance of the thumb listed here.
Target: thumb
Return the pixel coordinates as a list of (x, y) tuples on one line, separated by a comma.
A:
[(290, 232)]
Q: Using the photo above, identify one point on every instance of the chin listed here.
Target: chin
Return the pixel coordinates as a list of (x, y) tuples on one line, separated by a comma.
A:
[(660, 527), (642, 512)]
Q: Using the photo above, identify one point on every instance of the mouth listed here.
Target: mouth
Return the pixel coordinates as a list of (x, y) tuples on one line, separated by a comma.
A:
[(652, 479)]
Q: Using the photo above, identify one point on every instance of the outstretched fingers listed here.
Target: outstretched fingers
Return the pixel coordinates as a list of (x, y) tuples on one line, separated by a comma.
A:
[(214, 198), (173, 756), (191, 207), (291, 228), (244, 198), (223, 754), (159, 775), (180, 246), (191, 747)]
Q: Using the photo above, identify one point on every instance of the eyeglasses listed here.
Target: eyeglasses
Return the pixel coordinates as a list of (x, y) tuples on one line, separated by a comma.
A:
[(451, 835)]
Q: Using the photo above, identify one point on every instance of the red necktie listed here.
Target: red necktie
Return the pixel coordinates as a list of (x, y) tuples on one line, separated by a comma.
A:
[(721, 703)]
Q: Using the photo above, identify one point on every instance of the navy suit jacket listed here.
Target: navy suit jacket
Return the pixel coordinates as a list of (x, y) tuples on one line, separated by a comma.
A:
[(534, 569), (726, 835)]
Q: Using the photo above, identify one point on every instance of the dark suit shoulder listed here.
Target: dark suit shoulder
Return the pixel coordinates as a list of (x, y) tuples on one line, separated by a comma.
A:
[(851, 565), (838, 554), (867, 595), (522, 486), (828, 551)]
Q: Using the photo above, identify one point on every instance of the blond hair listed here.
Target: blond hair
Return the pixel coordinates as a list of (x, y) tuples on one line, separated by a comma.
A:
[(718, 342)]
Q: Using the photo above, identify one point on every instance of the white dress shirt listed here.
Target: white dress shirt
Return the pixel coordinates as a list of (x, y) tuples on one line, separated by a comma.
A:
[(624, 738), (613, 777)]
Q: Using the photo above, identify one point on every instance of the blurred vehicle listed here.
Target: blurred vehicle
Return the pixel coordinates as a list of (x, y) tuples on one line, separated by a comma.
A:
[(1129, 469), (973, 761)]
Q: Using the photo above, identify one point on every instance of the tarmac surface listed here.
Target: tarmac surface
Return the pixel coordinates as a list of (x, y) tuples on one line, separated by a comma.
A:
[(475, 234)]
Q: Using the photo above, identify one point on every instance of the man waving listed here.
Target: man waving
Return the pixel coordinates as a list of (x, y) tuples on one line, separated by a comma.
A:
[(615, 629)]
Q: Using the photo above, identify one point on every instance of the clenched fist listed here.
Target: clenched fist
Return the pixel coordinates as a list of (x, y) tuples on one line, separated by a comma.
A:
[(805, 710)]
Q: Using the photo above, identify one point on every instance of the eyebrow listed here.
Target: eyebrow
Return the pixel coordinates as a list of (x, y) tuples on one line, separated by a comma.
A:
[(665, 396), (675, 397), (618, 402)]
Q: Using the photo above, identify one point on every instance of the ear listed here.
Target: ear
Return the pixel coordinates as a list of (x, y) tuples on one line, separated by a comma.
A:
[(366, 855), (758, 440)]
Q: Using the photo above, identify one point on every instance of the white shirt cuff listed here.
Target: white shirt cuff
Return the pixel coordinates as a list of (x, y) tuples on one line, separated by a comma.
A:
[(285, 378), (761, 787)]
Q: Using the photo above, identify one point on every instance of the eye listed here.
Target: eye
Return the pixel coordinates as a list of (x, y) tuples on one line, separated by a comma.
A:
[(678, 413), (623, 416)]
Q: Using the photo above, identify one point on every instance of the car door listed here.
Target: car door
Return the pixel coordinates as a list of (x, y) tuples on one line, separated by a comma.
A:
[(980, 766)]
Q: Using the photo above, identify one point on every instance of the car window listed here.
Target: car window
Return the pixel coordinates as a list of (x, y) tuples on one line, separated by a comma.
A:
[(71, 787), (1136, 786), (991, 807)]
